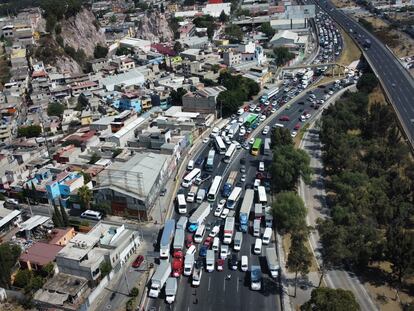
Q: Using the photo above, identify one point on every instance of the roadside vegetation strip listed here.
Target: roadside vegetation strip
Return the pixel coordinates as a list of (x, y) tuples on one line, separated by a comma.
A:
[(350, 51)]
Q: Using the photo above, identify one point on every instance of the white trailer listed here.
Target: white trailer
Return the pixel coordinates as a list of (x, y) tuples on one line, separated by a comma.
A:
[(229, 230), (170, 290), (159, 277), (210, 261), (182, 223), (238, 240), (166, 238), (272, 262), (199, 216), (179, 239)]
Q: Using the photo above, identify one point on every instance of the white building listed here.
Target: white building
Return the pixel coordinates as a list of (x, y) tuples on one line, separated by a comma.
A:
[(135, 43), (131, 77), (215, 9), (288, 39), (126, 133)]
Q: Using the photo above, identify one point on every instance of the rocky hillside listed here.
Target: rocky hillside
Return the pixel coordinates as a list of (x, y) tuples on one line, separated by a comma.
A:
[(71, 43), (154, 27)]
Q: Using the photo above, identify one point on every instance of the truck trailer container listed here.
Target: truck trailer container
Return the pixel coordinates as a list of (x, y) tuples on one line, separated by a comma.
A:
[(210, 261), (228, 186), (198, 216), (228, 230), (272, 262), (245, 209), (170, 290), (188, 264), (159, 278), (166, 238), (179, 239)]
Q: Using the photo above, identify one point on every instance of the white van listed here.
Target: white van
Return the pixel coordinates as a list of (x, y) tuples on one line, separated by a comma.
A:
[(240, 111), (267, 236), (256, 183), (244, 263), (191, 251), (91, 215), (216, 244), (190, 165), (258, 247), (256, 228), (201, 195), (198, 236), (261, 166)]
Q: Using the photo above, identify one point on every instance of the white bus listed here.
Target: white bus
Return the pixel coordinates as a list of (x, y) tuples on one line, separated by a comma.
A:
[(234, 197), (229, 153), (214, 189), (190, 177), (221, 147), (182, 204), (262, 194)]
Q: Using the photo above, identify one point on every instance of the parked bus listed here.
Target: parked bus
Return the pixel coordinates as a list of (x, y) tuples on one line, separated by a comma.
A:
[(261, 191), (252, 119), (266, 147), (210, 160), (221, 147), (214, 189), (256, 146), (181, 204), (234, 197), (190, 177), (229, 153)]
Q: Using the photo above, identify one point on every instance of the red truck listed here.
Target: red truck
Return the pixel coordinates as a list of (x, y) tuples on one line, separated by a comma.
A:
[(177, 263)]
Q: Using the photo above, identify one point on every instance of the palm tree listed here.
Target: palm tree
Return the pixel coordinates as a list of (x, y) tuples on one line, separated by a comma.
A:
[(85, 197)]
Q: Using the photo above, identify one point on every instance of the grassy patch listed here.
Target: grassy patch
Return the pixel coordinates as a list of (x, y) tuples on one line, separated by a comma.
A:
[(343, 3), (376, 96), (350, 51), (299, 137)]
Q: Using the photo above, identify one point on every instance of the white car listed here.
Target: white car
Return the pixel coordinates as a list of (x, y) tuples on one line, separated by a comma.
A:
[(242, 132), (262, 117), (224, 213), (251, 109), (273, 110), (243, 178), (293, 134), (214, 231), (258, 109), (224, 251), (251, 141), (218, 211), (235, 142), (266, 130), (206, 140), (307, 116), (221, 203)]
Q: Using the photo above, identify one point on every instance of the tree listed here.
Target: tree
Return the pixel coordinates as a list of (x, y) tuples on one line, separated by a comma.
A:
[(55, 109), (223, 17), (329, 299), (367, 82), (105, 268), (134, 292), (112, 19), (282, 55), (22, 278), (50, 23), (123, 51), (34, 193), (9, 253), (100, 51), (400, 250), (29, 131), (281, 137), (86, 177), (176, 96), (48, 270), (85, 197), (178, 47), (65, 217), (288, 165), (234, 32), (94, 158), (57, 217), (210, 31), (299, 258), (267, 30), (289, 211), (103, 208)]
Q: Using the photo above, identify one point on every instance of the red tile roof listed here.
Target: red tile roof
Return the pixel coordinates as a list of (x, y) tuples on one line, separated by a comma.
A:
[(40, 253), (163, 49)]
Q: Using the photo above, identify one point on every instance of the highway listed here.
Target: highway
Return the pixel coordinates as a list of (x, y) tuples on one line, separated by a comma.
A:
[(215, 292), (396, 81)]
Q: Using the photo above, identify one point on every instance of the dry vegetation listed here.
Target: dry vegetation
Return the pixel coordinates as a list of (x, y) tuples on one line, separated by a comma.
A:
[(350, 51), (343, 3)]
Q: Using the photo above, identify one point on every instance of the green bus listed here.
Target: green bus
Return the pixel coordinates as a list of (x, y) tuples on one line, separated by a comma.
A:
[(256, 146), (251, 119)]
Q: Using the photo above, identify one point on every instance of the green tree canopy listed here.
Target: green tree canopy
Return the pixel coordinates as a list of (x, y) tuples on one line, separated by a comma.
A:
[(9, 253), (223, 17), (85, 197), (29, 131), (281, 137), (367, 82), (55, 109), (234, 32), (289, 211), (267, 30), (328, 299), (282, 55), (177, 96), (100, 51)]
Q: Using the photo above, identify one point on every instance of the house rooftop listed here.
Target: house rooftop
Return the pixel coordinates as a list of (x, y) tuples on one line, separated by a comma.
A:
[(40, 253)]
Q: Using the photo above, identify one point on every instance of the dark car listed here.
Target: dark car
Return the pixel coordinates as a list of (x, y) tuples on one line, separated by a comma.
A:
[(233, 262), (208, 241), (203, 251), (301, 103), (163, 192), (112, 296), (199, 161), (138, 261), (284, 118)]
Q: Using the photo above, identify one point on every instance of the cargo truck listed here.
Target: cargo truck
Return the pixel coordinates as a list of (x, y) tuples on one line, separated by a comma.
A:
[(245, 209), (258, 211), (256, 228), (170, 290), (198, 216), (188, 264), (272, 262), (256, 278), (233, 130), (268, 217), (166, 238), (229, 230), (210, 261), (197, 273), (159, 277), (228, 186), (238, 240), (179, 239), (182, 223), (269, 94), (192, 194)]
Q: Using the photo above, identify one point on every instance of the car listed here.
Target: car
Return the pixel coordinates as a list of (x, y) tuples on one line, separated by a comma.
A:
[(262, 117), (239, 184), (203, 251), (266, 130), (163, 192), (249, 130), (258, 109), (208, 241), (113, 295), (251, 141), (189, 240), (297, 126), (261, 166), (138, 261), (200, 161), (214, 231), (220, 264), (206, 140), (243, 178), (224, 213), (221, 203), (235, 142), (293, 134), (273, 110), (247, 147), (284, 118), (224, 251), (251, 109), (218, 211), (288, 107), (242, 132), (307, 115), (233, 262)]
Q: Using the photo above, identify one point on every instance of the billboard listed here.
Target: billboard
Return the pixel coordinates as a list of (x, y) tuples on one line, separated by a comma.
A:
[(300, 11)]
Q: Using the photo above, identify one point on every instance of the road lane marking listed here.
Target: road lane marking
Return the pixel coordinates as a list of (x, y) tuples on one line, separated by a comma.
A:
[(209, 281), (224, 284), (237, 286)]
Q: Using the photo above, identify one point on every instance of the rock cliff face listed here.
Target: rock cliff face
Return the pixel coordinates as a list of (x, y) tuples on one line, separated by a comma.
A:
[(80, 32), (154, 27)]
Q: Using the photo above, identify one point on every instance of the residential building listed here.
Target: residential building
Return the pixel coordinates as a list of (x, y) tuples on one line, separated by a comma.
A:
[(289, 39), (126, 133), (8, 218), (131, 77), (202, 101), (38, 255), (136, 44)]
